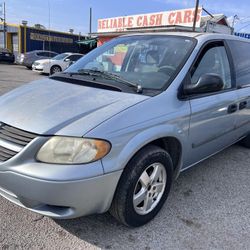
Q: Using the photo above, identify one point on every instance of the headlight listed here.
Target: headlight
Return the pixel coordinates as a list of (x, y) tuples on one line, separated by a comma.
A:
[(21, 57), (72, 150)]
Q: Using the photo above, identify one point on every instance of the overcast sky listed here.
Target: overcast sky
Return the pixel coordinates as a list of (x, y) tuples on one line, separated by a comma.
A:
[(66, 14)]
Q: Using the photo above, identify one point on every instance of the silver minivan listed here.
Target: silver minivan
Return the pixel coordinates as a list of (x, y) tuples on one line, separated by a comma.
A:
[(115, 129)]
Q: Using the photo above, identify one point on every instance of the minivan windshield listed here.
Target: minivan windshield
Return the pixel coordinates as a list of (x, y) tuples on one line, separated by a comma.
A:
[(146, 60)]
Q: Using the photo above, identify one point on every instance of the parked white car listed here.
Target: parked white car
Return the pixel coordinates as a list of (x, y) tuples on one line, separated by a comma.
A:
[(56, 64)]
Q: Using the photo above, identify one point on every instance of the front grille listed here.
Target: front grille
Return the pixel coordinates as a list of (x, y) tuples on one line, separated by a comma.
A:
[(6, 154), (12, 141)]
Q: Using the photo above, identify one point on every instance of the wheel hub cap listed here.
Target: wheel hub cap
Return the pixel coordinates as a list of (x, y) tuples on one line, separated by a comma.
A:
[(149, 188)]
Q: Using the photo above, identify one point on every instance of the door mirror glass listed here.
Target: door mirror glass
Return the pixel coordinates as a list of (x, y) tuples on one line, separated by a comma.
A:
[(207, 83)]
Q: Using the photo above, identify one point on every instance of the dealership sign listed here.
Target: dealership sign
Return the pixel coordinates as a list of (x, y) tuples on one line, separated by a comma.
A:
[(49, 38), (244, 35), (168, 18)]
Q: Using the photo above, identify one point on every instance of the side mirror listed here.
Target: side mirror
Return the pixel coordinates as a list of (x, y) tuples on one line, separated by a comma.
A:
[(67, 60), (207, 83)]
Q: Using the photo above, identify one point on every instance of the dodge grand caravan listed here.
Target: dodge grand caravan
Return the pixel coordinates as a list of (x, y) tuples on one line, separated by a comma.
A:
[(115, 129)]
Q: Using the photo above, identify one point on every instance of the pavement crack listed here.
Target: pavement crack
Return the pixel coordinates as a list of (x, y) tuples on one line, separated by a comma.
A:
[(38, 218)]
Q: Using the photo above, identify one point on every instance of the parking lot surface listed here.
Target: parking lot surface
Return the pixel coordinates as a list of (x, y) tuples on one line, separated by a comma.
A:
[(13, 76), (208, 208)]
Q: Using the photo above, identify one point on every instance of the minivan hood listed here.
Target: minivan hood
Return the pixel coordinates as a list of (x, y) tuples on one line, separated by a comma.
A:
[(52, 107)]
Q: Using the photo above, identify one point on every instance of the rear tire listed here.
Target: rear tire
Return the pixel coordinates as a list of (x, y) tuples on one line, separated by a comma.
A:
[(144, 187), (246, 142)]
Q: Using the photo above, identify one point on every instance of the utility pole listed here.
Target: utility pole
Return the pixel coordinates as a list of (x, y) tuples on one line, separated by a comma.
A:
[(4, 25), (90, 22), (195, 14), (234, 19)]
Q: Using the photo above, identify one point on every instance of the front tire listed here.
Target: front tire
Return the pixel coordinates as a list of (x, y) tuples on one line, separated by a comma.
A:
[(246, 142), (55, 69), (144, 187)]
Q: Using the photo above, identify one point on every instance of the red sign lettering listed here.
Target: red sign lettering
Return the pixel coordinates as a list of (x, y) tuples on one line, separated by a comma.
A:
[(178, 17), (139, 21), (171, 19)]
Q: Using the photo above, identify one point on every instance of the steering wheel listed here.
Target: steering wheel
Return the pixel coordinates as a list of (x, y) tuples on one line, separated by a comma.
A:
[(167, 69)]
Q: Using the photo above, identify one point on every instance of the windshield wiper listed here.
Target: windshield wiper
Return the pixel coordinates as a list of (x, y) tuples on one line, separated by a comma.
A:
[(107, 75)]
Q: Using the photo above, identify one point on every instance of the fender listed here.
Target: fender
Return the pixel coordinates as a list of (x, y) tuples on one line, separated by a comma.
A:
[(119, 157)]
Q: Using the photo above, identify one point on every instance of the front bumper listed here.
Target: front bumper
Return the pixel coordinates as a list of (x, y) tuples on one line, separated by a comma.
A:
[(60, 199), (9, 59), (55, 190), (38, 68)]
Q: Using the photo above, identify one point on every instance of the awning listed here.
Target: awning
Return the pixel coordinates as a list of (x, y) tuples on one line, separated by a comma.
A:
[(90, 42)]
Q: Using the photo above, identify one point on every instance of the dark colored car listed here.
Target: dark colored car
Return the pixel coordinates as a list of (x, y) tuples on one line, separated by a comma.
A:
[(6, 56), (29, 58)]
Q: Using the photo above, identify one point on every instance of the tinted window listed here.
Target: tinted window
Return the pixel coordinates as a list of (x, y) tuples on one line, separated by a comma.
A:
[(48, 54), (213, 60), (41, 54), (52, 54), (241, 56)]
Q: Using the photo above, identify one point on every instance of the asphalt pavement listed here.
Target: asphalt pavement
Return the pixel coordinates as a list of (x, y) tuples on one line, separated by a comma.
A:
[(208, 208)]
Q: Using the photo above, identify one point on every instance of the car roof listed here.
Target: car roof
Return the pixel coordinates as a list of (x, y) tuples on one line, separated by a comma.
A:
[(196, 35), (37, 51)]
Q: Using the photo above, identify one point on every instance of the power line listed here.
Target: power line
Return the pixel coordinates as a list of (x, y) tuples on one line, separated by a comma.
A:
[(244, 27)]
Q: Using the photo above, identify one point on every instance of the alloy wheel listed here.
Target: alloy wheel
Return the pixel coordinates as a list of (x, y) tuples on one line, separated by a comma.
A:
[(149, 188)]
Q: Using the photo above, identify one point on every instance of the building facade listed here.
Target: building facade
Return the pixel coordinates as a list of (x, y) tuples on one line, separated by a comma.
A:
[(22, 39)]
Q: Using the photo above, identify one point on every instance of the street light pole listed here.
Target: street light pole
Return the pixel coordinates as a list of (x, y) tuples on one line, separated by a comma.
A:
[(90, 21)]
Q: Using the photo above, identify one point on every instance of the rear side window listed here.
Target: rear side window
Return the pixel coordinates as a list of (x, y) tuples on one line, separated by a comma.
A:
[(241, 55), (52, 54), (49, 54), (41, 54)]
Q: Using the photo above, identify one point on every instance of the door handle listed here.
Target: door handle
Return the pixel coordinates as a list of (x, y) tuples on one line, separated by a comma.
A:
[(232, 108), (243, 105)]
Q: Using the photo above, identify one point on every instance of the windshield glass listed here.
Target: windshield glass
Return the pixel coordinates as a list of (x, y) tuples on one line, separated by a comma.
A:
[(149, 60), (60, 57)]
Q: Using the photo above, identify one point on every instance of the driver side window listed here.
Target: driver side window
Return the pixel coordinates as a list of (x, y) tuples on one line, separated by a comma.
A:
[(213, 60)]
